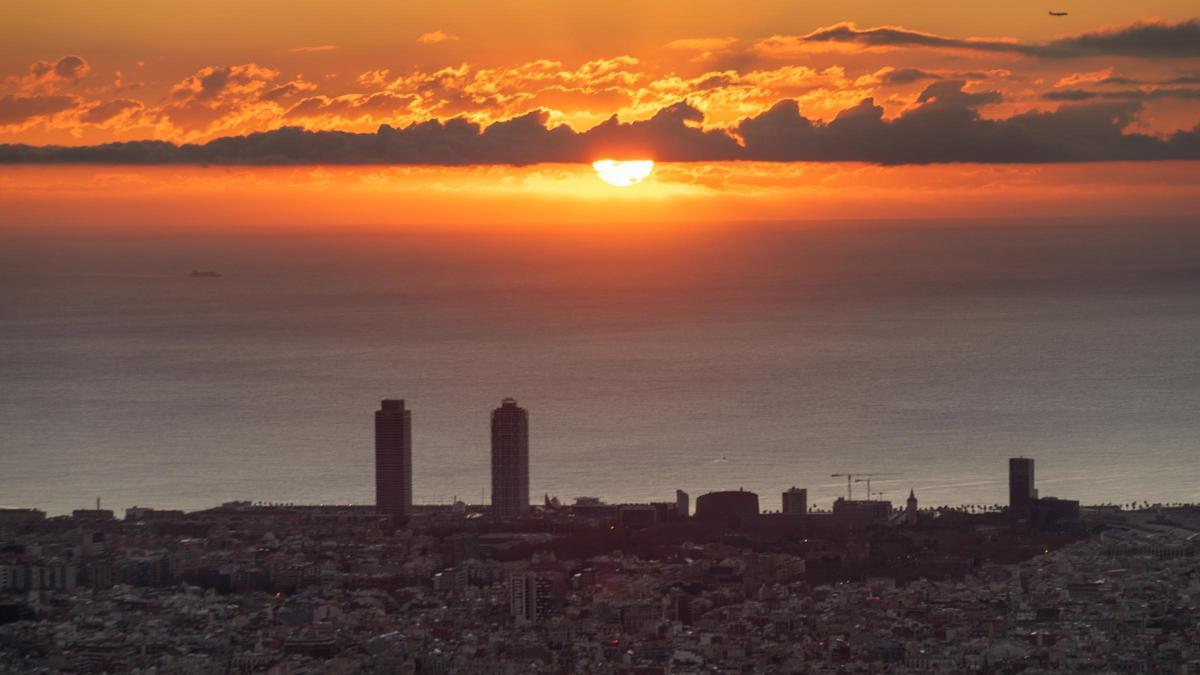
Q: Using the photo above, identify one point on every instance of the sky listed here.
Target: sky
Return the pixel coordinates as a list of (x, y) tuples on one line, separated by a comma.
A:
[(426, 112)]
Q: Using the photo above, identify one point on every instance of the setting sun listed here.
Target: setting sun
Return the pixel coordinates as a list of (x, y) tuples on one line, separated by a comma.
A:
[(623, 173)]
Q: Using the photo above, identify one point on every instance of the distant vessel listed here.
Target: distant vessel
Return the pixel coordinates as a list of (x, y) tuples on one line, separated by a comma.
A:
[(198, 274)]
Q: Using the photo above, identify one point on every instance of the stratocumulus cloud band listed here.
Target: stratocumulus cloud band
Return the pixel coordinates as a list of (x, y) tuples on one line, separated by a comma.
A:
[(945, 126)]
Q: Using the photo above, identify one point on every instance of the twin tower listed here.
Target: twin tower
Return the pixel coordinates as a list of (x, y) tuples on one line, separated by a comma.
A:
[(510, 459)]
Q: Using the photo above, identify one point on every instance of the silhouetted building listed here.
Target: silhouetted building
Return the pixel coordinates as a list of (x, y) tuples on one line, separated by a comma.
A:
[(141, 513), (510, 460), (861, 511), (92, 515), (683, 503), (795, 501), (393, 458), (594, 508), (910, 508), (637, 515), (1021, 491), (1052, 513), (729, 507), (21, 517), (667, 512)]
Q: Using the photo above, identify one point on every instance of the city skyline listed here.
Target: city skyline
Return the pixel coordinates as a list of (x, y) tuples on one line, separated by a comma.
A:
[(510, 499)]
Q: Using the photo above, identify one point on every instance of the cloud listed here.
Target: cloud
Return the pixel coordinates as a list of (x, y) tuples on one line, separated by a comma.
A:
[(705, 49), (213, 83), (218, 99), (947, 127), (896, 76), (48, 77), (1146, 39), (702, 44), (287, 90), (1129, 81), (348, 107), (104, 112), (18, 108), (1123, 95), (672, 132), (435, 37), (1084, 78), (1152, 40), (883, 37), (889, 76), (71, 68), (943, 126), (313, 49)]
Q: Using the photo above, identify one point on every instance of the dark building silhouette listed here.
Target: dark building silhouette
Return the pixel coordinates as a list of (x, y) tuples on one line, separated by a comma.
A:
[(638, 515), (683, 503), (910, 508), (795, 501), (728, 507), (393, 458), (1051, 513), (861, 511), (1021, 491), (510, 460)]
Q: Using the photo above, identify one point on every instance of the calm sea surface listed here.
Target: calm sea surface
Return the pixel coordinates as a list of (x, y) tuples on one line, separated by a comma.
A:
[(702, 359)]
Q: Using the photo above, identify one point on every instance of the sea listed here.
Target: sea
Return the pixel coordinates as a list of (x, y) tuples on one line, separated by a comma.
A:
[(696, 357)]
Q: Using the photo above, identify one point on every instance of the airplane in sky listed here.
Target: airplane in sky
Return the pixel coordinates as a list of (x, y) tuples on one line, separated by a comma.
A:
[(1054, 13)]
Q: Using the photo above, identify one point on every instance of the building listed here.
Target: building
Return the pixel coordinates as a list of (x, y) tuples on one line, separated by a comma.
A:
[(21, 517), (910, 508), (1052, 513), (531, 597), (1022, 495), (452, 580), (96, 515), (795, 501), (510, 460), (730, 506), (683, 503), (861, 511), (637, 515), (393, 458), (141, 513)]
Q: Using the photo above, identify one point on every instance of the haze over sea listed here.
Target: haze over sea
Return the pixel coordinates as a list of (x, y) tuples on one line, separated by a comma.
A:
[(701, 358)]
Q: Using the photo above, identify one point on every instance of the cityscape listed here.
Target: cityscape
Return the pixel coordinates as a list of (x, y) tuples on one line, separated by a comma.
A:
[(463, 337), (1039, 585)]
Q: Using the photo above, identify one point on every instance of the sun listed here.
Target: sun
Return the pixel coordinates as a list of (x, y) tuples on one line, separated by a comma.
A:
[(623, 173)]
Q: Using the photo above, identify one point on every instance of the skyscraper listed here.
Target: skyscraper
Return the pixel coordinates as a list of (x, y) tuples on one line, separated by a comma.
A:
[(510, 460), (1021, 492), (393, 458), (795, 501)]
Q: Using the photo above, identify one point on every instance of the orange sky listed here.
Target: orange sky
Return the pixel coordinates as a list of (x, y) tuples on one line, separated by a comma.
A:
[(76, 73), (566, 195)]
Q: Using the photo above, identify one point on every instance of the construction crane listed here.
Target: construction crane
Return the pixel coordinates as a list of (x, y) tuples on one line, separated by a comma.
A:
[(867, 480), (862, 478)]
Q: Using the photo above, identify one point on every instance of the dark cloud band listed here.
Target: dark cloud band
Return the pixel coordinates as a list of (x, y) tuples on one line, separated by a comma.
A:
[(1141, 40), (945, 127)]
